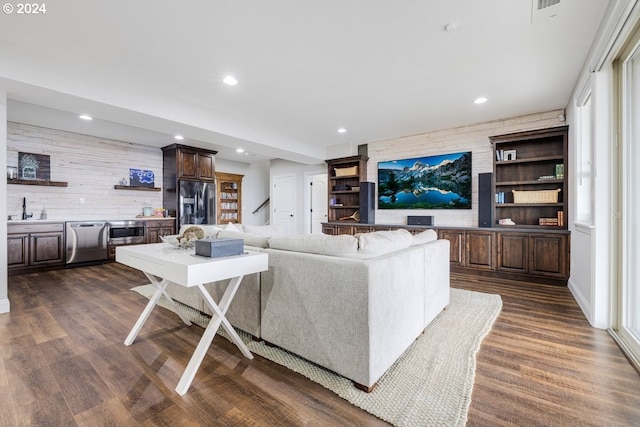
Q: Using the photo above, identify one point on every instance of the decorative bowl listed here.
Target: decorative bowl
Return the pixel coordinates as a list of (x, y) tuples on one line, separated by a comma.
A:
[(179, 242)]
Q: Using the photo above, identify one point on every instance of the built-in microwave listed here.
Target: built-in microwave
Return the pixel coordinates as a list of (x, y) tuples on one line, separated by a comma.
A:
[(126, 232)]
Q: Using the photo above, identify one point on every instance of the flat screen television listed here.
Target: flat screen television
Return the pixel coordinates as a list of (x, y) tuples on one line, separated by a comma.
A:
[(433, 182)]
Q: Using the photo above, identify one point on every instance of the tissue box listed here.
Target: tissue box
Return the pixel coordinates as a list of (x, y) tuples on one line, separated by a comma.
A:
[(214, 248)]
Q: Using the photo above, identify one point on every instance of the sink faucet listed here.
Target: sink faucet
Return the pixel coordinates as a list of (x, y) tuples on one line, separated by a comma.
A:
[(24, 209)]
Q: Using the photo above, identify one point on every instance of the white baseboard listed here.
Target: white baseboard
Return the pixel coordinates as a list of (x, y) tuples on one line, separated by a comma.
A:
[(4, 306), (585, 306)]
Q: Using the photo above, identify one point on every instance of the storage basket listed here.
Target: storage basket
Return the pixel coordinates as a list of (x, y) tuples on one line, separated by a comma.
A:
[(539, 196), (346, 171)]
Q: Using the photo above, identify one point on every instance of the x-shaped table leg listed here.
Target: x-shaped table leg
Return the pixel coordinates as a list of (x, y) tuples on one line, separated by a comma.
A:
[(161, 289), (217, 319)]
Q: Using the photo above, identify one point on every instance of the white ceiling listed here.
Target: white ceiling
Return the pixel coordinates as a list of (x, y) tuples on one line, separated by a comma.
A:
[(382, 69)]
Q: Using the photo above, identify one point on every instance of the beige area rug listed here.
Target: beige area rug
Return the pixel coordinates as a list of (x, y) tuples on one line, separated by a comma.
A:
[(430, 385)]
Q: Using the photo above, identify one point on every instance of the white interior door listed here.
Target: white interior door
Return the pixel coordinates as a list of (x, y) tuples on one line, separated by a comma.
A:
[(318, 209), (284, 202)]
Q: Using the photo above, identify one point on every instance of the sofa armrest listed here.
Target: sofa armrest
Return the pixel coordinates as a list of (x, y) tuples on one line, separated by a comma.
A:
[(436, 278)]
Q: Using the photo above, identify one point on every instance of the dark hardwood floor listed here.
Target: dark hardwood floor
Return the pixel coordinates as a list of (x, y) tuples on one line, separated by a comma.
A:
[(64, 363)]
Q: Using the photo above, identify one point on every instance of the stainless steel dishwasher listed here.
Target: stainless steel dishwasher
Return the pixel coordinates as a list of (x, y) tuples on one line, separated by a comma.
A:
[(86, 241)]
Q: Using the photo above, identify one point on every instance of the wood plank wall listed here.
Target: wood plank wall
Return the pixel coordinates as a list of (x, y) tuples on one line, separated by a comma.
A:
[(474, 138), (91, 166)]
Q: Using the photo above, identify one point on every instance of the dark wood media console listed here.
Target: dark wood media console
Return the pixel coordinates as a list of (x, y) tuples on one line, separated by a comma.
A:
[(531, 255)]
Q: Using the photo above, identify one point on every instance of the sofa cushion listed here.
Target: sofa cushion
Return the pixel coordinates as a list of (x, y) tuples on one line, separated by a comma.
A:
[(249, 238), (233, 227), (321, 244), (383, 242), (265, 230), (424, 237)]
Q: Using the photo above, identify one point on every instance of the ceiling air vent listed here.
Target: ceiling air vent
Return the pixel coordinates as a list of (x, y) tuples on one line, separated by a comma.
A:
[(542, 10), (542, 4)]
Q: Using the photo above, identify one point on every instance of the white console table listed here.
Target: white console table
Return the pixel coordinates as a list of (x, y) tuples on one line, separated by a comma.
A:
[(163, 264)]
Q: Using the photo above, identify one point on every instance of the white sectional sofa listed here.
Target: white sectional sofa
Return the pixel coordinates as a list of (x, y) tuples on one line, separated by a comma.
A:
[(352, 304)]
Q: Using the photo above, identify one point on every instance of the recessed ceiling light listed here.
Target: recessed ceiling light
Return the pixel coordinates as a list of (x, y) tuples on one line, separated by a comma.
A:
[(480, 100), (342, 130), (239, 150), (178, 137), (85, 117), (230, 80)]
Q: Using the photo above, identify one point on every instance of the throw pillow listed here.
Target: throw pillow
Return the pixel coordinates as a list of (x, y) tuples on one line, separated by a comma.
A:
[(249, 239), (233, 227), (424, 237), (322, 244), (383, 242), (264, 230)]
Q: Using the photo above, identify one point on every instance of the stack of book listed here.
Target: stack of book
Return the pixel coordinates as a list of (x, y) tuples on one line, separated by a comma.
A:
[(548, 221), (500, 197), (560, 171), (555, 222)]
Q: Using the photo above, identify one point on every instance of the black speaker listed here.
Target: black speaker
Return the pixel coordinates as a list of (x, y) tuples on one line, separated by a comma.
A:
[(420, 220), (367, 203), (485, 197)]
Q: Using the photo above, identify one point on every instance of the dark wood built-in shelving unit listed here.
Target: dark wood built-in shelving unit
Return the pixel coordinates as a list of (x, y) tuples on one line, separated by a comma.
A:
[(534, 168), (229, 193), (343, 204)]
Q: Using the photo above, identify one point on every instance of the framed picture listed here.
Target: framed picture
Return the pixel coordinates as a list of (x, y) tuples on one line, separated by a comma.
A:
[(509, 155), (35, 167), (141, 178)]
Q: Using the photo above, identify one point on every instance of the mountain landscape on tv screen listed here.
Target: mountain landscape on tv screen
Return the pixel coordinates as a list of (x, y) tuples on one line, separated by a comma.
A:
[(435, 182)]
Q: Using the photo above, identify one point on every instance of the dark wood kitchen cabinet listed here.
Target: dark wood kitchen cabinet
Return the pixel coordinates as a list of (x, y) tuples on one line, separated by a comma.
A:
[(457, 247), (35, 247), (190, 163), (159, 227), (180, 162), (480, 247), (470, 248), (513, 252), (549, 255)]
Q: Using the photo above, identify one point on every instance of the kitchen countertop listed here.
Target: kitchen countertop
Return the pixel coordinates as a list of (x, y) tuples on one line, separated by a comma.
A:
[(49, 221), (34, 221)]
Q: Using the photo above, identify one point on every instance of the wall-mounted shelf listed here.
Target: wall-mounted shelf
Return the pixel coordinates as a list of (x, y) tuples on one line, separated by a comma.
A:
[(128, 187), (36, 182)]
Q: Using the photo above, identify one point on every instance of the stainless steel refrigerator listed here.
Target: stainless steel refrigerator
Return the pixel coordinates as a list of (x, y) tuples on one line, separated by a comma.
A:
[(196, 202)]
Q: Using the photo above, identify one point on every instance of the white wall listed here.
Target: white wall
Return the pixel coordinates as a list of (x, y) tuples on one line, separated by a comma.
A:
[(474, 138), (594, 260), (91, 167), (4, 297), (285, 167), (591, 249), (255, 188)]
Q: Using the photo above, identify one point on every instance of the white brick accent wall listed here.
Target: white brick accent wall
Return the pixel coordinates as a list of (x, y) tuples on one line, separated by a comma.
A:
[(91, 166), (474, 138)]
